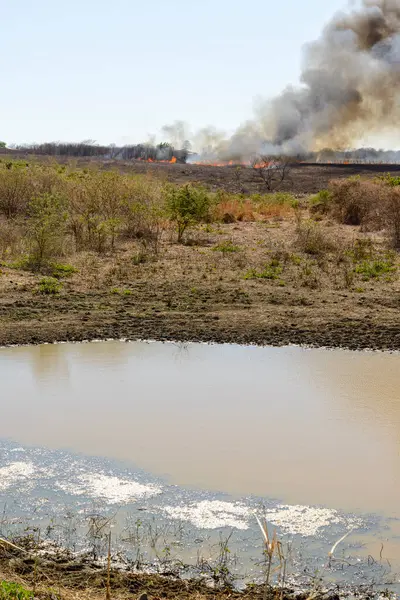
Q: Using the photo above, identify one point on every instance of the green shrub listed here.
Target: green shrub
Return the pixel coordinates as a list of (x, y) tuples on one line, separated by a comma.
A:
[(186, 206), (372, 269), (389, 180), (362, 249), (46, 228), (20, 264), (60, 271), (49, 285), (14, 591), (320, 203)]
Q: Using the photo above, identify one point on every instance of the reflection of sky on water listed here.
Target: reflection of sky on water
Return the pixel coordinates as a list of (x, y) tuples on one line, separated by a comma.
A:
[(310, 427), (48, 488), (307, 426)]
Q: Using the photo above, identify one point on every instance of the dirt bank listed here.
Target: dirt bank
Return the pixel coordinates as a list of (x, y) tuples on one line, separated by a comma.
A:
[(55, 574), (283, 319)]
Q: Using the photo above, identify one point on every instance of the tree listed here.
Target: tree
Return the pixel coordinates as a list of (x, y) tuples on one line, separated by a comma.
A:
[(3, 144), (186, 206), (46, 228), (274, 171)]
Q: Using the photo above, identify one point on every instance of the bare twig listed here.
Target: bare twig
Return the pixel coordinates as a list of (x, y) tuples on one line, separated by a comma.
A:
[(108, 585)]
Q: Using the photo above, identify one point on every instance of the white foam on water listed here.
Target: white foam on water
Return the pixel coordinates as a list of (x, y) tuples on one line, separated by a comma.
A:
[(291, 519), (15, 472), (113, 490), (307, 520), (211, 514)]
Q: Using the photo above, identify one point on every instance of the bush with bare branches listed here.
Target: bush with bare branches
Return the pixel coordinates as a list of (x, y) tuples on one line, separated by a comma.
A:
[(274, 171)]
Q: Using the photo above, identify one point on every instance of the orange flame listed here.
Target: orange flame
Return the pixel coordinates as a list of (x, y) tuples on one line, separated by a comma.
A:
[(150, 160), (233, 163)]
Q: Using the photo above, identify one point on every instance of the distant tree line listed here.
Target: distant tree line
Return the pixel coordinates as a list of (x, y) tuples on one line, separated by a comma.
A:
[(88, 148), (358, 154)]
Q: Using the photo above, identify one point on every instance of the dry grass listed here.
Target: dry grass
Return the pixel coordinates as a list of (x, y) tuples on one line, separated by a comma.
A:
[(250, 211), (120, 253), (314, 256)]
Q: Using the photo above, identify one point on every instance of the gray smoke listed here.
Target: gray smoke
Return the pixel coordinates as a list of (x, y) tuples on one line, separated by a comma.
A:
[(350, 87)]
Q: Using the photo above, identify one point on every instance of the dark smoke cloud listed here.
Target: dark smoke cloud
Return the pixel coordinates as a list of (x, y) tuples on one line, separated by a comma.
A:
[(350, 87)]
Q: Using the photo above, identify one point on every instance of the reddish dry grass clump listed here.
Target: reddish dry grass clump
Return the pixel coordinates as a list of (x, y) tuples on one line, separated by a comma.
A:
[(250, 211)]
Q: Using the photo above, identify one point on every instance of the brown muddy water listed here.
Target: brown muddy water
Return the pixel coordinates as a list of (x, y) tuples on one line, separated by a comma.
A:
[(309, 427)]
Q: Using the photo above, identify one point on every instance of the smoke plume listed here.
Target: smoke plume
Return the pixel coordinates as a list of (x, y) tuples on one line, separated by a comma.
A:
[(350, 86)]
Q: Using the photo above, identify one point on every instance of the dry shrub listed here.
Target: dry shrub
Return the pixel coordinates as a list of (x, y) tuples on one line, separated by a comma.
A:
[(371, 204), (143, 211), (85, 221), (355, 201), (105, 206), (91, 270), (11, 238), (392, 215), (16, 189), (313, 239)]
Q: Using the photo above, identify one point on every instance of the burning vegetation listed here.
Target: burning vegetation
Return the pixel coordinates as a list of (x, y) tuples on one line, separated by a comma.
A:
[(349, 89)]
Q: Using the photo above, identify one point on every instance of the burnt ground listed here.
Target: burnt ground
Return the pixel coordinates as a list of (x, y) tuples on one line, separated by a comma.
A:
[(304, 178)]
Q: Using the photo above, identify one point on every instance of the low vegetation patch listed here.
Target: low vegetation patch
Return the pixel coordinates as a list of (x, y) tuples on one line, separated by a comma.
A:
[(60, 270), (321, 202), (14, 591), (49, 286), (226, 247), (372, 269), (271, 271)]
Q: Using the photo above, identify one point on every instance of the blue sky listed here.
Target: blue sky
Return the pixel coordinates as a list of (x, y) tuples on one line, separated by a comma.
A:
[(118, 70)]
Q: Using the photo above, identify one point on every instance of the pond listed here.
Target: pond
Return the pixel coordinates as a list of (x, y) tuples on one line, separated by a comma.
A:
[(205, 435)]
